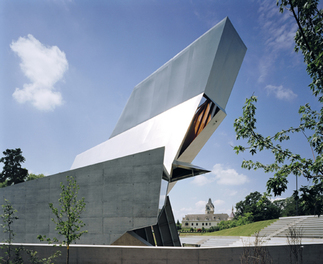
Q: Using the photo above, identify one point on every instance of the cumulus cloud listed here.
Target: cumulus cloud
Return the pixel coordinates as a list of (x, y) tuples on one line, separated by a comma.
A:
[(202, 180), (44, 67), (198, 208), (228, 176), (280, 92), (200, 205), (220, 175)]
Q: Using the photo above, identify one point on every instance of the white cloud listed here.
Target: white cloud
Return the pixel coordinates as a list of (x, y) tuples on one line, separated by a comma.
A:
[(202, 180), (218, 202), (279, 29), (280, 92), (44, 67), (264, 65), (199, 208), (223, 176), (200, 205), (233, 193), (228, 176), (278, 32)]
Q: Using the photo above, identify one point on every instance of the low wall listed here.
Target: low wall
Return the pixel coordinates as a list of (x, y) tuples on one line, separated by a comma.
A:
[(166, 255)]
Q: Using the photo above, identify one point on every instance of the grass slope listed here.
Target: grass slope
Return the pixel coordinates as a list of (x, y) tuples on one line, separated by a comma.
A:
[(246, 230)]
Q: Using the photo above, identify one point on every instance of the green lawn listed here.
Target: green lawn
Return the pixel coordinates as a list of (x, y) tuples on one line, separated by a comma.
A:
[(246, 230)]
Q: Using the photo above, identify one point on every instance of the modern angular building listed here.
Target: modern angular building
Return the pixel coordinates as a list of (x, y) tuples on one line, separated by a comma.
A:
[(126, 180)]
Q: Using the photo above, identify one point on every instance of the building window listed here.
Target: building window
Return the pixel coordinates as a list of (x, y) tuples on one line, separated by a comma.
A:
[(209, 223), (206, 224), (186, 224), (202, 224), (197, 224), (192, 224)]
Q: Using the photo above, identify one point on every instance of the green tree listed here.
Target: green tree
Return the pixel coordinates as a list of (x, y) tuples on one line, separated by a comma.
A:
[(311, 199), (67, 218), (287, 206), (32, 176), (247, 218), (12, 172), (3, 184), (308, 40), (178, 225), (259, 206), (8, 217)]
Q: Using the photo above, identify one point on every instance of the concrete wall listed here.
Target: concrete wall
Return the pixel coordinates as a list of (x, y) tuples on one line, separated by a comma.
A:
[(312, 254), (120, 195)]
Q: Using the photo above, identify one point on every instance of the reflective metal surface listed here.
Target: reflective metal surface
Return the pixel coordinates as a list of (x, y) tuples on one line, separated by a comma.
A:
[(209, 65), (179, 106)]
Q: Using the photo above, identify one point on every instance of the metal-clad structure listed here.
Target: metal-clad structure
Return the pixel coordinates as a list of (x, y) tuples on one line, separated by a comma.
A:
[(209, 65), (179, 106)]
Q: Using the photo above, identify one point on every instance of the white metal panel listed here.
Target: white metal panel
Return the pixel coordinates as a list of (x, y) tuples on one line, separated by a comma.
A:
[(165, 130)]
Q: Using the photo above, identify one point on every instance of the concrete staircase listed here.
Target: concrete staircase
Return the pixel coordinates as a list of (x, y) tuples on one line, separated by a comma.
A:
[(308, 226), (208, 241)]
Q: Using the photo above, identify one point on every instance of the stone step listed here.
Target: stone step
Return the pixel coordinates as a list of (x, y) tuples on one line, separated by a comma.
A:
[(309, 226)]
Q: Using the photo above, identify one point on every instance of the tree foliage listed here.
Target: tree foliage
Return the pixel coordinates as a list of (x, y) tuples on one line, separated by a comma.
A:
[(67, 218), (12, 172), (311, 200), (287, 206), (309, 41), (240, 220), (178, 225), (32, 176), (259, 206)]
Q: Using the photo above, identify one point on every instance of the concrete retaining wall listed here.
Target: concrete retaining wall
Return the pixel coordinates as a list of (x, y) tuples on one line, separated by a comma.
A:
[(312, 254), (120, 195)]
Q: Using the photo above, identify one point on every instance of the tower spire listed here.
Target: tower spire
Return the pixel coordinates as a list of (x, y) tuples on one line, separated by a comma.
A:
[(209, 207)]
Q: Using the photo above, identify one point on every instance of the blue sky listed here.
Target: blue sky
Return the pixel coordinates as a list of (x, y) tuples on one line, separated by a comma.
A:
[(67, 69)]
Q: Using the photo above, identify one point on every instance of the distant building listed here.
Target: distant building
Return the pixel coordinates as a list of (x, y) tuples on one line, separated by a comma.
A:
[(204, 220)]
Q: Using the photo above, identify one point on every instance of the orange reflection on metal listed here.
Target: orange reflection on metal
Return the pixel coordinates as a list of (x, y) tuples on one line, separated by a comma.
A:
[(204, 113)]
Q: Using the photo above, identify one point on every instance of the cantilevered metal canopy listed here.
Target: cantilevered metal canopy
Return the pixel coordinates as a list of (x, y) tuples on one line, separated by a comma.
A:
[(179, 106)]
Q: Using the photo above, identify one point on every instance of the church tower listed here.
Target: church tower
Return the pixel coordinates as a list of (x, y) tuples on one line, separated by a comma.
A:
[(209, 207)]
